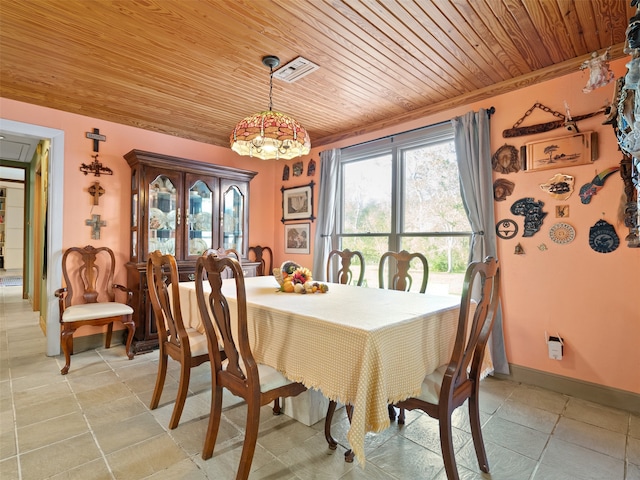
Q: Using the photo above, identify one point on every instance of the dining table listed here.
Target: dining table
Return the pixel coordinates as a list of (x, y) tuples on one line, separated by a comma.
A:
[(365, 347)]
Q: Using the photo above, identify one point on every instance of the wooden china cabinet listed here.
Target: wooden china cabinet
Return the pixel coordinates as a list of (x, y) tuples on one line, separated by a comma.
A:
[(182, 207)]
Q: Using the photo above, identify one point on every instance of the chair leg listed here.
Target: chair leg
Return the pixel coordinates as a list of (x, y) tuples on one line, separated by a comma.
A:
[(107, 342), (446, 444), (162, 374), (214, 423), (66, 342), (327, 425), (276, 407), (250, 439), (476, 433), (392, 412), (401, 417), (183, 389), (131, 330)]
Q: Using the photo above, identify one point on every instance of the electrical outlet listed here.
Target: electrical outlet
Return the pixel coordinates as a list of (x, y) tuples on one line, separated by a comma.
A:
[(555, 345)]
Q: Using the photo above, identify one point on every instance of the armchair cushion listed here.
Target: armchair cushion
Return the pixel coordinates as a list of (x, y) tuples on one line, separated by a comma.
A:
[(91, 311)]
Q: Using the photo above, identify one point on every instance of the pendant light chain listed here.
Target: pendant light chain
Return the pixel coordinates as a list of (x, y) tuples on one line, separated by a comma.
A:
[(271, 89)]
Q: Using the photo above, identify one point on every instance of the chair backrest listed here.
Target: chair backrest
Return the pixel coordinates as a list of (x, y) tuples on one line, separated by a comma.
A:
[(234, 338), (259, 256), (345, 274), (474, 324), (402, 279), (88, 275), (221, 252), (162, 282)]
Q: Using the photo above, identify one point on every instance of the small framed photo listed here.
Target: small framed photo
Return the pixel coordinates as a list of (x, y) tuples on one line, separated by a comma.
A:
[(296, 237), (297, 203), (562, 152)]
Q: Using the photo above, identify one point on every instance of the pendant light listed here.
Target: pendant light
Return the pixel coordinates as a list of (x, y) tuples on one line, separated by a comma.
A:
[(270, 134)]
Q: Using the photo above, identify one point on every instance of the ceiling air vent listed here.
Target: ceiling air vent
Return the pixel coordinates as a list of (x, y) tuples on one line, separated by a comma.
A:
[(295, 70)]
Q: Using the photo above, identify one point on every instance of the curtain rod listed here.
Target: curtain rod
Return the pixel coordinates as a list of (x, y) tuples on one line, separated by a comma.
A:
[(490, 111)]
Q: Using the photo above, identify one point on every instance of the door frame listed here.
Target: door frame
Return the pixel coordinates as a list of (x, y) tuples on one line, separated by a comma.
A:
[(55, 204)]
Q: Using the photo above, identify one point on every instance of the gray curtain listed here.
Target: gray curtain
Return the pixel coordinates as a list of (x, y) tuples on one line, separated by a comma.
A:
[(327, 197), (473, 151)]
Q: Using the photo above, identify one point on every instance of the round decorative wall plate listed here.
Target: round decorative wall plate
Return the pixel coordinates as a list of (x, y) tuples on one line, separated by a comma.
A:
[(562, 233), (506, 229)]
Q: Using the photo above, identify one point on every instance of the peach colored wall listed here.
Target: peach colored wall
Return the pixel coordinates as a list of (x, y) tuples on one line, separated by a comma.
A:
[(587, 297), (114, 205)]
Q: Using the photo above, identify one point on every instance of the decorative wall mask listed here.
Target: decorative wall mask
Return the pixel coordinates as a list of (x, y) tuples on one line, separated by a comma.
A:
[(506, 229), (505, 160), (532, 212), (285, 173), (603, 237), (588, 190), (298, 168), (502, 188), (311, 168), (560, 186)]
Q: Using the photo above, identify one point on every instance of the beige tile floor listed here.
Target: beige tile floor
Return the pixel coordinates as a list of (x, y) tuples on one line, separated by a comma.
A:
[(95, 423)]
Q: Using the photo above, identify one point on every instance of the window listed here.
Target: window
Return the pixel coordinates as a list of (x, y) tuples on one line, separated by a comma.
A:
[(403, 193)]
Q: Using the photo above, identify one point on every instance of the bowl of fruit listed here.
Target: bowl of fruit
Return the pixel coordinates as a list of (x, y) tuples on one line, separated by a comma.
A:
[(293, 278)]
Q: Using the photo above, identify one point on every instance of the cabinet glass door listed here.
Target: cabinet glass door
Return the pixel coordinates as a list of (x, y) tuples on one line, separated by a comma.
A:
[(200, 218), (164, 215), (233, 215)]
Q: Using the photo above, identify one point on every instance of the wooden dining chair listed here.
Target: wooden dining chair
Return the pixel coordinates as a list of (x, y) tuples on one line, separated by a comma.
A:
[(258, 384), (185, 345), (402, 279), (451, 385), (262, 254), (344, 274), (88, 297)]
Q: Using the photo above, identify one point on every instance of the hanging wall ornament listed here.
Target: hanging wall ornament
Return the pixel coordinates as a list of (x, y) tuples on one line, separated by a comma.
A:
[(285, 173), (311, 168), (599, 72), (562, 233), (532, 212), (506, 229), (588, 190), (502, 188), (560, 186), (518, 250), (505, 160), (603, 237)]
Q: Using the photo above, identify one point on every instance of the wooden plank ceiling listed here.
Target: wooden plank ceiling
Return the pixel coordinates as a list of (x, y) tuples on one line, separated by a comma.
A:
[(192, 68)]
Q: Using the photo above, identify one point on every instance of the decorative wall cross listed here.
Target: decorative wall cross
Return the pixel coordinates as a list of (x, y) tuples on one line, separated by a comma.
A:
[(95, 167), (95, 223), (96, 191), (97, 138)]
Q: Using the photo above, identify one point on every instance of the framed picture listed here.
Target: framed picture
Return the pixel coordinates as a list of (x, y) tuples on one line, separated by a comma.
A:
[(575, 149), (297, 203), (296, 238)]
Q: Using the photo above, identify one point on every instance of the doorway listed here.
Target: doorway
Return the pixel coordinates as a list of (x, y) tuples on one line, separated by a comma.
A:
[(50, 273)]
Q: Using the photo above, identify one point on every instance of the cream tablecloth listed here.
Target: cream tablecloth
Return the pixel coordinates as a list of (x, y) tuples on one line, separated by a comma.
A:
[(360, 346)]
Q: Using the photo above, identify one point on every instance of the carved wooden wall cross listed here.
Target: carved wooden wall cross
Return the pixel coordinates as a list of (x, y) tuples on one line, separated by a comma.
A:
[(96, 191)]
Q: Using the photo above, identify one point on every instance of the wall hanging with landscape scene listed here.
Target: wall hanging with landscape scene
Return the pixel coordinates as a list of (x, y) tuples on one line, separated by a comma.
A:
[(567, 151)]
